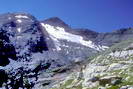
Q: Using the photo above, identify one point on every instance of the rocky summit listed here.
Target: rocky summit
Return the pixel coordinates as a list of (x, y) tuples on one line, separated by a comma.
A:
[(49, 54)]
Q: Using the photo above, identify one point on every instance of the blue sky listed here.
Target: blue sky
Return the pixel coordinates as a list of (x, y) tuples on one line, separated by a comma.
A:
[(97, 15)]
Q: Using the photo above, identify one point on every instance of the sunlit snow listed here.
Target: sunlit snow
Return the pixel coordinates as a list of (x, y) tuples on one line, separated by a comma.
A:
[(60, 33), (19, 29), (21, 16), (19, 21)]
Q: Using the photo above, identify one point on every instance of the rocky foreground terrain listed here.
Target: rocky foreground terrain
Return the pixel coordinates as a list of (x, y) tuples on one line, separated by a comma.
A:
[(50, 54), (111, 69)]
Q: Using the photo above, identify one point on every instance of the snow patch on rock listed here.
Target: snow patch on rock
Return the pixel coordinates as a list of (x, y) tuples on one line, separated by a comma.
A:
[(19, 30), (21, 16), (19, 21), (60, 33)]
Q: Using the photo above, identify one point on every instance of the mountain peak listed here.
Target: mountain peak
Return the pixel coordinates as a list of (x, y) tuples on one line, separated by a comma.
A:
[(17, 18), (18, 14), (55, 21)]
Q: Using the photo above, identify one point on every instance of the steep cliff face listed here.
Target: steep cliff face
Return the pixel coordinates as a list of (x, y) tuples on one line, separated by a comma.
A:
[(20, 33), (20, 40)]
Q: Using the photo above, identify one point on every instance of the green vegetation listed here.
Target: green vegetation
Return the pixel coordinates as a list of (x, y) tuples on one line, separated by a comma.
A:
[(114, 87)]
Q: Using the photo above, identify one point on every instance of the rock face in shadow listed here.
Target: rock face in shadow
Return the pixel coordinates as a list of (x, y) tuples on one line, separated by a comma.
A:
[(7, 50), (20, 38), (3, 77)]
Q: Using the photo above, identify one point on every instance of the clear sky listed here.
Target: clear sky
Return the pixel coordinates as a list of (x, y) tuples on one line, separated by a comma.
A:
[(98, 15)]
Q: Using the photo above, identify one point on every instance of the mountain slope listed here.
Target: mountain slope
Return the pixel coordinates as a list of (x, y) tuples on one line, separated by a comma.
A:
[(111, 69), (40, 54), (27, 50), (67, 43)]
